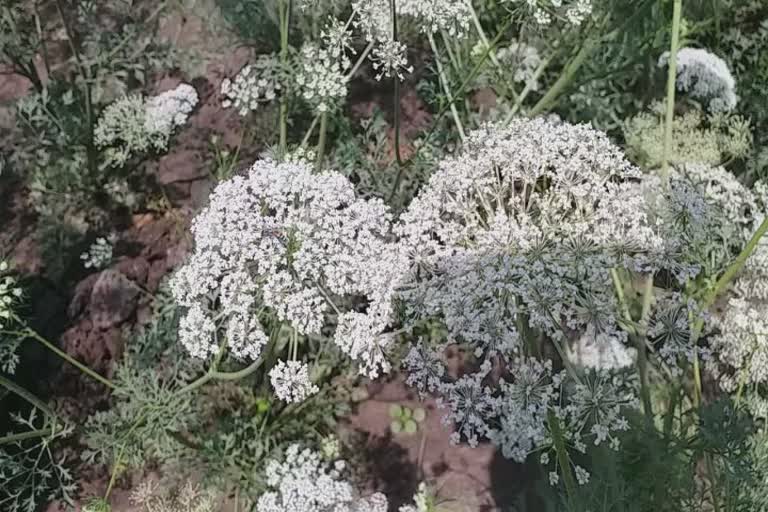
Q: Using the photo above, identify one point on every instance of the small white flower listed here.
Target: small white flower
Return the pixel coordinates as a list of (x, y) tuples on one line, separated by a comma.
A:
[(582, 475), (290, 380), (390, 59), (321, 77), (98, 255), (257, 83)]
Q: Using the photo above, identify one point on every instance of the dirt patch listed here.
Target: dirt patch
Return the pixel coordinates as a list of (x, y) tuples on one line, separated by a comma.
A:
[(465, 478)]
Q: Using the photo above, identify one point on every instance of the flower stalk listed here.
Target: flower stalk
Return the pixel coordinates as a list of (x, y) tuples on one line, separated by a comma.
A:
[(671, 79)]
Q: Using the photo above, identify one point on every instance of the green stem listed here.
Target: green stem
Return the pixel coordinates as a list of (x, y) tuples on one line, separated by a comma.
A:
[(669, 416), (619, 288), (396, 81), (725, 279), (294, 344), (216, 375), (85, 74), (671, 78), (565, 78), (447, 89), (742, 383), (506, 86), (472, 74), (528, 87), (311, 128), (737, 265), (444, 108), (80, 366), (23, 436), (26, 395), (321, 141), (638, 337), (284, 11), (115, 469), (563, 459)]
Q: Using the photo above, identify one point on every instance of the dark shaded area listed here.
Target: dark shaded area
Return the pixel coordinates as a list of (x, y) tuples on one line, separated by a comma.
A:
[(514, 486), (389, 469), (45, 311)]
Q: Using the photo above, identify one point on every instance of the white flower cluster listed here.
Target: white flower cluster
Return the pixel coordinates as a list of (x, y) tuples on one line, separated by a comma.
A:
[(546, 11), (169, 110), (291, 382), (321, 77), (526, 401), (190, 498), (704, 76), (519, 59), (742, 343), (519, 233), (134, 125), (529, 220), (256, 83), (452, 16), (98, 255), (375, 17), (9, 294), (389, 59), (526, 61), (297, 243), (303, 482)]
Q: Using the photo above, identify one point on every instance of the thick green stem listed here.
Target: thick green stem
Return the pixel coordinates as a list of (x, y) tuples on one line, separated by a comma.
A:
[(736, 266), (671, 78), (26, 395), (216, 375), (565, 78), (115, 469), (23, 436)]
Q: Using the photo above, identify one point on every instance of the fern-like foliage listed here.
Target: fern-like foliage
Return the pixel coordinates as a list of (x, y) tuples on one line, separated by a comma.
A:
[(31, 472)]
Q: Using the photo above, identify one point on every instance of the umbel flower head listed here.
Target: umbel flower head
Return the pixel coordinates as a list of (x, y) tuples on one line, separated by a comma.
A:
[(134, 125), (294, 242), (290, 380), (529, 219), (544, 12), (524, 228), (301, 481), (255, 84), (704, 76)]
